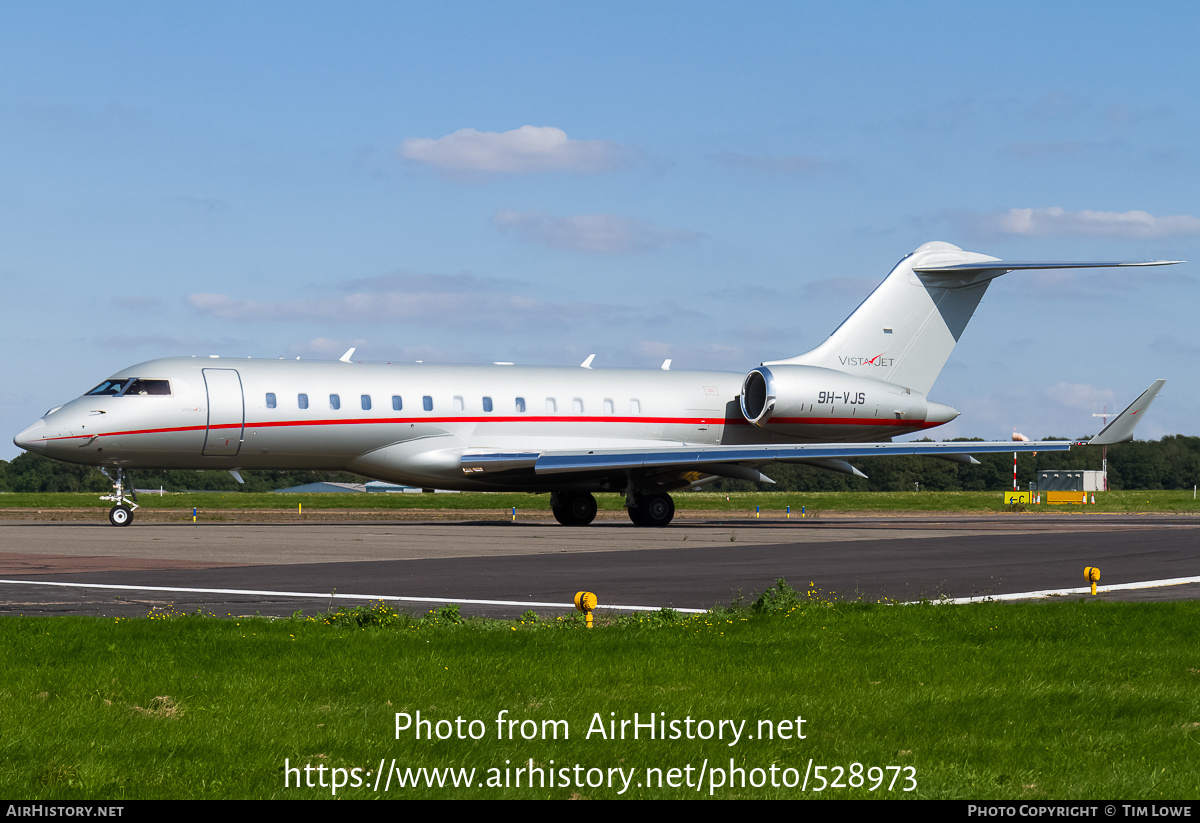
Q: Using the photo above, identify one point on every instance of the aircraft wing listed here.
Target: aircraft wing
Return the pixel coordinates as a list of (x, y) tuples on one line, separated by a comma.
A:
[(696, 458)]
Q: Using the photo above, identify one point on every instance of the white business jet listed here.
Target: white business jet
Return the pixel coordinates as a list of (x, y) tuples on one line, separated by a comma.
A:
[(568, 431)]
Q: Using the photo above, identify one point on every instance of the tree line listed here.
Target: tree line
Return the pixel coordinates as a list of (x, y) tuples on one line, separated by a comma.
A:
[(1170, 463)]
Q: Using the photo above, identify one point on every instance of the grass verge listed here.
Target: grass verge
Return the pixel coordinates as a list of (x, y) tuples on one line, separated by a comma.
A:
[(1007, 701)]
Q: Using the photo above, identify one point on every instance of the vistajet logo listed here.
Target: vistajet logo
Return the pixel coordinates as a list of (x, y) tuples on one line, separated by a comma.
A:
[(877, 360)]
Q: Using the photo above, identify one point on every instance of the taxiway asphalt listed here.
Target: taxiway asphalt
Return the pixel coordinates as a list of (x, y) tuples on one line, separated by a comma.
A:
[(694, 563)]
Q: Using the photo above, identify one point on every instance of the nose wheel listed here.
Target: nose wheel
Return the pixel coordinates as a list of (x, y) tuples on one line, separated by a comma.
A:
[(122, 513)]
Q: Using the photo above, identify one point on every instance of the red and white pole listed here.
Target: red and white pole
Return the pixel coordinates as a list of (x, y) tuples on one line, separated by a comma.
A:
[(1020, 438)]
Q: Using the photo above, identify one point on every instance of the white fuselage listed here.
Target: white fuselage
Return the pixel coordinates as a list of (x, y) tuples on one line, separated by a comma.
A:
[(569, 431), (411, 423)]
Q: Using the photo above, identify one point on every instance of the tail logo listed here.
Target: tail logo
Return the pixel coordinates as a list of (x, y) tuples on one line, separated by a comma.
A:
[(877, 360)]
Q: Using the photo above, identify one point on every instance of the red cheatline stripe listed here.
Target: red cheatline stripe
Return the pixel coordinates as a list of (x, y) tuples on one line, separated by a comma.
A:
[(680, 421)]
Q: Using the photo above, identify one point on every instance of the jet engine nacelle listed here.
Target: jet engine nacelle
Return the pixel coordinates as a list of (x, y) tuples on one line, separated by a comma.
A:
[(791, 398)]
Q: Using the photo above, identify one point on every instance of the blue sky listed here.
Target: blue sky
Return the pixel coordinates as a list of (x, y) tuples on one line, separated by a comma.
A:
[(715, 183)]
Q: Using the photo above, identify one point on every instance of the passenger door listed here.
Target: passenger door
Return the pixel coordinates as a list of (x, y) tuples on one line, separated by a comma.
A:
[(226, 412)]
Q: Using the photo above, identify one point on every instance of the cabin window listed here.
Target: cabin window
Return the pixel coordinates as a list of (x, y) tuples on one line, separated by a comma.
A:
[(551, 406), (335, 401), (520, 404), (427, 403), (397, 403), (487, 404), (577, 405), (635, 406), (457, 404), (608, 405), (302, 401), (270, 400), (366, 402)]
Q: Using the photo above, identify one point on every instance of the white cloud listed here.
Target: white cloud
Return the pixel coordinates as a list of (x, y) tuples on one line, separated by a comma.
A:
[(414, 282), (481, 312), (520, 151), (358, 307), (324, 348), (1171, 345), (1078, 396), (651, 354), (1055, 221), (172, 344), (594, 233)]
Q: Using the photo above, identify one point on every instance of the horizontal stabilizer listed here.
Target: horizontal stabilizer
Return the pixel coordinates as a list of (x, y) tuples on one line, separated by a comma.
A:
[(1002, 266), (905, 330), (1122, 426)]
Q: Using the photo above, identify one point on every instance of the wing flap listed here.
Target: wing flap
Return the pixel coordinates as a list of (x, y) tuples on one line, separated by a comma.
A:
[(697, 457)]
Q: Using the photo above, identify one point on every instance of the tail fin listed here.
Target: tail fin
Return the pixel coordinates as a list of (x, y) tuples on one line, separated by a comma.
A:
[(905, 330)]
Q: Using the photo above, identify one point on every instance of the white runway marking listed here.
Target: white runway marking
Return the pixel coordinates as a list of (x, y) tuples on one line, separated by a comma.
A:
[(321, 595), (1146, 584)]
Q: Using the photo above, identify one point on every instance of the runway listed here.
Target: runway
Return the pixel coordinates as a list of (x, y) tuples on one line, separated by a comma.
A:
[(695, 563)]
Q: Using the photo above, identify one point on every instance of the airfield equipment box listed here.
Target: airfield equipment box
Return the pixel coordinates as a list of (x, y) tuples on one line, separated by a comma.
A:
[(1071, 480), (1058, 498)]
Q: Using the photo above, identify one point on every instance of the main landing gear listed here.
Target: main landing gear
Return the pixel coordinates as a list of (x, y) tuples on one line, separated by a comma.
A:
[(651, 509), (122, 513), (579, 508), (573, 508)]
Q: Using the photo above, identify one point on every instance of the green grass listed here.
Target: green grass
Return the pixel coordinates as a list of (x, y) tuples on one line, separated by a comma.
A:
[(1009, 701), (771, 503)]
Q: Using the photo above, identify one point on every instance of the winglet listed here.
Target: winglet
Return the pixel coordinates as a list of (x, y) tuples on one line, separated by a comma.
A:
[(1122, 426)]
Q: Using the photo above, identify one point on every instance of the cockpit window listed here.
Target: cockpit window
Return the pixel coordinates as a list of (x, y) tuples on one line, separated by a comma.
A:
[(131, 386), (141, 386), (109, 388)]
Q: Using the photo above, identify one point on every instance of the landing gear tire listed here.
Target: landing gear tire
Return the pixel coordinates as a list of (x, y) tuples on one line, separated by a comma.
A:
[(120, 515), (574, 509), (652, 510)]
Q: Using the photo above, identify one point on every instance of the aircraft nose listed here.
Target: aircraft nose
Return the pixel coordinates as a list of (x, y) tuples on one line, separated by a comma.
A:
[(31, 438)]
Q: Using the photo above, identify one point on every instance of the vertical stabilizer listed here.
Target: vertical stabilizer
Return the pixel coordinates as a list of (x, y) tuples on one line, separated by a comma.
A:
[(905, 330)]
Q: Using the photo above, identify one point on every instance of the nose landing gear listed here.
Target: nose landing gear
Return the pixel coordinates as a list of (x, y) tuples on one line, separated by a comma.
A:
[(122, 513)]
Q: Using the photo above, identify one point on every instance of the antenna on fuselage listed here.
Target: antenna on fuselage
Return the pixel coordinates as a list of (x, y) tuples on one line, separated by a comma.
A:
[(345, 358), (587, 364)]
